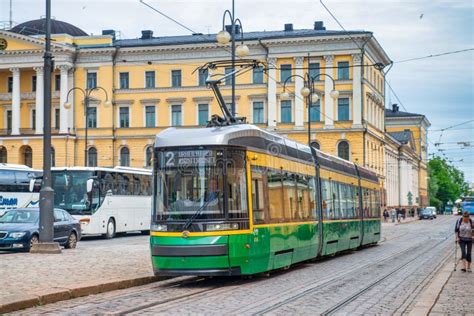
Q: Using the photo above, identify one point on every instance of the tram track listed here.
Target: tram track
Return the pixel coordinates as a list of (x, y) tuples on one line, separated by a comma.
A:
[(331, 280)]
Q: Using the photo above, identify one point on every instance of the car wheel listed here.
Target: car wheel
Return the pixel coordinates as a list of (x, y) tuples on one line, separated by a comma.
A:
[(71, 241), (110, 229), (33, 240)]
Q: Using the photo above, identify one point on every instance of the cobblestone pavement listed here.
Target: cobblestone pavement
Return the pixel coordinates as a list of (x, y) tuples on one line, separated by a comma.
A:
[(94, 261), (385, 279)]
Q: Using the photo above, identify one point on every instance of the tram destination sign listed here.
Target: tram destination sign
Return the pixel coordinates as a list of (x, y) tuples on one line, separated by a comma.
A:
[(189, 158)]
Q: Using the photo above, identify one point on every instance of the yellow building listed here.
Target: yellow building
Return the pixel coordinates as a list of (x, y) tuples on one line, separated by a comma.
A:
[(153, 84)]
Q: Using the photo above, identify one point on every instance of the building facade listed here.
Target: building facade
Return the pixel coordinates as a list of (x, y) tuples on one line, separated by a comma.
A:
[(153, 84)]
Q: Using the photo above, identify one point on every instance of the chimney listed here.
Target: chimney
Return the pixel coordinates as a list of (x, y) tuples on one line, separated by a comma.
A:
[(394, 108), (228, 28), (319, 26), (147, 34), (288, 27), (109, 32)]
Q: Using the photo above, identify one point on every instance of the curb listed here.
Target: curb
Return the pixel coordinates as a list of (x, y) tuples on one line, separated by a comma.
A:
[(16, 302)]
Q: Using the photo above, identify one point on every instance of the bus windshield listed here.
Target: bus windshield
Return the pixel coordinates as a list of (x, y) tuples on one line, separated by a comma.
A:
[(197, 185), (70, 191)]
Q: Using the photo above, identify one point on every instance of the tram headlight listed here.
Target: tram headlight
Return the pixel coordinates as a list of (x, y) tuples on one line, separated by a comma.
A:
[(159, 228), (215, 227)]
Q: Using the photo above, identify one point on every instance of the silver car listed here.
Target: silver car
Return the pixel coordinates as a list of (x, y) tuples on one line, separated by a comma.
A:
[(432, 209)]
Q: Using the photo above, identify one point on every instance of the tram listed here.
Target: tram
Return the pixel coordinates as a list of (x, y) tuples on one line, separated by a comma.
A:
[(234, 199)]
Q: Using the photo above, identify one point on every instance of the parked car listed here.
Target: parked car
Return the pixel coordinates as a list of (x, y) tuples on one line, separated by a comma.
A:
[(432, 209), (426, 214), (19, 229)]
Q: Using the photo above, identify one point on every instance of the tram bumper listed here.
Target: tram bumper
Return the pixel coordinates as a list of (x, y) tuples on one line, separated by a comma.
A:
[(203, 256)]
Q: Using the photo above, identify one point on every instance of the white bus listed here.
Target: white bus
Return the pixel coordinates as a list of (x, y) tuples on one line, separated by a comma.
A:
[(106, 201), (17, 187)]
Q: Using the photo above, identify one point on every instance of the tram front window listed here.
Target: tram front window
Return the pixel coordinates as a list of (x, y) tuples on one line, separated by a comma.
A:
[(196, 187)]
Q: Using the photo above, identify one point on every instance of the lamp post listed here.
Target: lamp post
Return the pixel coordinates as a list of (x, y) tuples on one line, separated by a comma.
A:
[(223, 37), (309, 92), (87, 97)]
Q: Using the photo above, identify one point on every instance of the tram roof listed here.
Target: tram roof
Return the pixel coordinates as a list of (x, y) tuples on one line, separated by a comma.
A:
[(11, 166), (251, 136)]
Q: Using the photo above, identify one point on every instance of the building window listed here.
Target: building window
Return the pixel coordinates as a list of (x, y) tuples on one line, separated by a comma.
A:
[(57, 82), (3, 155), (124, 117), (91, 80), (343, 109), (285, 73), (56, 118), (315, 145), (92, 117), (314, 71), (53, 157), (33, 83), (203, 73), (124, 82), (92, 157), (343, 150), (149, 156), (203, 115), (228, 80), (33, 119), (9, 121), (286, 111), (258, 114), (150, 79), (125, 157), (258, 75), (26, 156), (150, 116), (176, 78), (10, 84), (176, 115), (343, 70), (315, 111)]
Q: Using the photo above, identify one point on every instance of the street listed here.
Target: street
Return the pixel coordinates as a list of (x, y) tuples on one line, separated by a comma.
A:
[(384, 279)]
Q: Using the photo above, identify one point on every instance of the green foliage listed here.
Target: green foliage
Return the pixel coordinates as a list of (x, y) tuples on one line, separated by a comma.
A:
[(446, 183)]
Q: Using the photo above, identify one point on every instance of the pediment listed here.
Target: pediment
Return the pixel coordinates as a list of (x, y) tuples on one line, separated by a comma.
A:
[(17, 43)]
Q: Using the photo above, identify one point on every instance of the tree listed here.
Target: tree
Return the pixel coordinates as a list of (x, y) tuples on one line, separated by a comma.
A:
[(446, 182)]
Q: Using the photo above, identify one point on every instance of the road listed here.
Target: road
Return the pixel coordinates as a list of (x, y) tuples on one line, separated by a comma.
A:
[(384, 279)]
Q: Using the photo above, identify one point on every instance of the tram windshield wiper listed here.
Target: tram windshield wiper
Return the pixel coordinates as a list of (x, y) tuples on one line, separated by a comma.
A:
[(199, 210)]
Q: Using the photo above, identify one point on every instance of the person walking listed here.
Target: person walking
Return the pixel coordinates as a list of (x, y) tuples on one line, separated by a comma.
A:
[(464, 235), (385, 215)]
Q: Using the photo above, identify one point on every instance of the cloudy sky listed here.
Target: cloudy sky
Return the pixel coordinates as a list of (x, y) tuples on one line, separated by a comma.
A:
[(441, 87)]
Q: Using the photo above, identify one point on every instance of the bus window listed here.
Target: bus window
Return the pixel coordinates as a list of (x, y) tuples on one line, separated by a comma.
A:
[(22, 181), (7, 181), (275, 196)]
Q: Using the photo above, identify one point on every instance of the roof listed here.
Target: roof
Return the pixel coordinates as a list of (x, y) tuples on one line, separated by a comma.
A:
[(38, 27), (403, 137), (248, 36), (109, 169), (395, 112)]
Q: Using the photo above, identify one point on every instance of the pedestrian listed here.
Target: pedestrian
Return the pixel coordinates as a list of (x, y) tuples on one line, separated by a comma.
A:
[(399, 215), (394, 215), (464, 235), (404, 213), (385, 215)]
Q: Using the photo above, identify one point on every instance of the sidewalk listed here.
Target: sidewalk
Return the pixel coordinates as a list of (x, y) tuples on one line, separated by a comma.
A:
[(403, 221), (94, 266)]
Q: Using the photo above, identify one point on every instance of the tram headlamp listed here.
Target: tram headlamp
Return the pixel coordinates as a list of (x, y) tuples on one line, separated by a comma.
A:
[(215, 227), (159, 228)]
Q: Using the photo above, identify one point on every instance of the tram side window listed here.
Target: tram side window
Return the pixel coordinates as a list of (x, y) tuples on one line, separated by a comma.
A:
[(258, 198), (289, 197), (275, 196), (327, 201), (366, 202), (303, 209), (336, 197), (312, 197), (356, 201), (345, 200), (236, 194)]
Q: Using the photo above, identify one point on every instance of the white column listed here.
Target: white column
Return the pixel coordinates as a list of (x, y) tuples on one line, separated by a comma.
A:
[(357, 90), (16, 98), (63, 112), (328, 101), (299, 99), (272, 92), (39, 99), (70, 82)]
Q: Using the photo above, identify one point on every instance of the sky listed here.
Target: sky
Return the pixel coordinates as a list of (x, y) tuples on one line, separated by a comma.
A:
[(440, 87)]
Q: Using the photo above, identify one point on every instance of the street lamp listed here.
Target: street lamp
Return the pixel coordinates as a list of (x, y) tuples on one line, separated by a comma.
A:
[(224, 37), (309, 92), (87, 97)]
